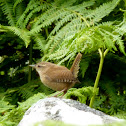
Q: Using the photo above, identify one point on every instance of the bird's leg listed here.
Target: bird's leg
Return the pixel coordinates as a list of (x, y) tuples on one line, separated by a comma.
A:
[(64, 92)]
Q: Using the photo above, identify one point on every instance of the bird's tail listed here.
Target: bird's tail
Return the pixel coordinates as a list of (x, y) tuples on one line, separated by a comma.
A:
[(75, 67)]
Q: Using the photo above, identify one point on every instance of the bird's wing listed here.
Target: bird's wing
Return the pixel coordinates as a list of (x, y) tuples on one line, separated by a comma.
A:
[(62, 76)]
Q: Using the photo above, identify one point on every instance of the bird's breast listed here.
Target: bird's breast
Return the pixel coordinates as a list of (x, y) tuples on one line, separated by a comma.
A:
[(58, 85)]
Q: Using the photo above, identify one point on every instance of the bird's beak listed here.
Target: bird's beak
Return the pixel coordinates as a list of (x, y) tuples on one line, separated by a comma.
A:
[(32, 66)]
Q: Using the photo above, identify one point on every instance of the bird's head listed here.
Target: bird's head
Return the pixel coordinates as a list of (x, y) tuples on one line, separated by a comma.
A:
[(40, 67)]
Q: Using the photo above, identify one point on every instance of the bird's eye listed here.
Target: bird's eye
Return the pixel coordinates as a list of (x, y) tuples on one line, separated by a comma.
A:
[(39, 66)]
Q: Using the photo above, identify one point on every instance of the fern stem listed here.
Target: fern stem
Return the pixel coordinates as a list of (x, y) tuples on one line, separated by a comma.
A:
[(81, 17), (125, 3), (102, 56), (30, 62), (105, 52), (47, 33)]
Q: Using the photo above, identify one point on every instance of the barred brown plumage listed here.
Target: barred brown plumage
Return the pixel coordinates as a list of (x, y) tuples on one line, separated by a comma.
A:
[(58, 78)]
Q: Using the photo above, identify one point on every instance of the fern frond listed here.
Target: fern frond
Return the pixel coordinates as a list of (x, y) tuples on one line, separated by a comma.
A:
[(31, 5), (122, 26), (57, 13), (71, 32), (71, 27), (7, 8), (65, 33), (22, 33), (75, 27), (68, 56), (100, 12), (5, 106), (39, 8), (43, 17), (15, 4), (14, 116), (29, 16), (84, 65), (82, 7), (120, 43), (40, 41), (81, 94), (19, 10), (90, 39), (35, 30)]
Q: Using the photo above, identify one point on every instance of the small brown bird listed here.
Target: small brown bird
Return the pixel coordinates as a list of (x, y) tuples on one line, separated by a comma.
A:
[(58, 78)]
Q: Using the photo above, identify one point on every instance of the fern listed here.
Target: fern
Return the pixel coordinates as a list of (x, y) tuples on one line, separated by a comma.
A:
[(5, 106), (84, 64), (81, 94), (14, 116), (91, 39), (26, 91), (102, 11), (30, 6), (7, 10), (22, 33), (69, 21), (74, 36), (40, 41), (73, 26), (19, 11), (15, 4), (22, 18)]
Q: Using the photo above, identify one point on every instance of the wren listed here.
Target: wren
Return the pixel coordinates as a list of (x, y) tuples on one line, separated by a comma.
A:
[(58, 78)]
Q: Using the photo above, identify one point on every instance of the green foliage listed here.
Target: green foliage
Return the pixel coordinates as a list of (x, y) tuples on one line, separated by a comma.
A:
[(58, 123), (84, 64), (52, 123), (90, 40), (22, 33), (5, 106), (22, 93), (13, 117), (83, 32), (59, 29), (111, 98), (77, 26), (116, 124), (121, 115), (15, 15), (13, 61), (82, 95)]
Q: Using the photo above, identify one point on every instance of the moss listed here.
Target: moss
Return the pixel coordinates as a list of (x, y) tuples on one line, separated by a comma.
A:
[(52, 123)]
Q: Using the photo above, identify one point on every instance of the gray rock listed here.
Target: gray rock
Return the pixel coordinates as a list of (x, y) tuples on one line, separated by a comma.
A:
[(66, 110)]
